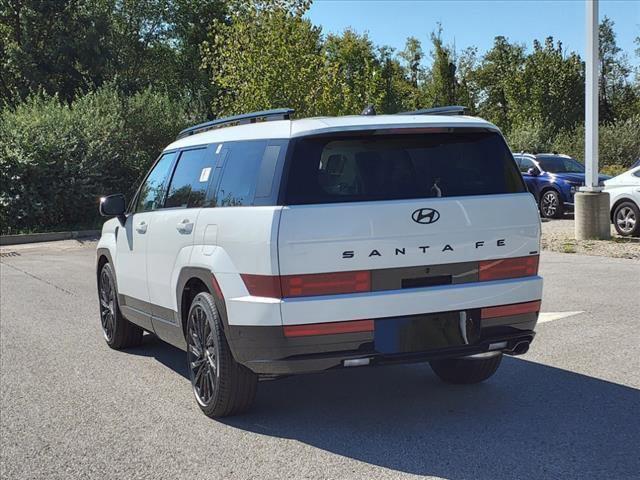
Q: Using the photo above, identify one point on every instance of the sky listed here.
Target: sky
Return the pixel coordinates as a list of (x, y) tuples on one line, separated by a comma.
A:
[(476, 22)]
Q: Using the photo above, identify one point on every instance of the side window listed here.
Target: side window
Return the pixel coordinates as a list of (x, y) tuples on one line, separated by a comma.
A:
[(190, 179), (636, 173), (525, 164), (518, 160), (152, 190), (240, 174)]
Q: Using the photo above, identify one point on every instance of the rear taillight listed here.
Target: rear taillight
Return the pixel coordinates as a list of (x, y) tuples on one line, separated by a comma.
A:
[(335, 283), (262, 285), (508, 310), (509, 268), (307, 285), (330, 328), (325, 283)]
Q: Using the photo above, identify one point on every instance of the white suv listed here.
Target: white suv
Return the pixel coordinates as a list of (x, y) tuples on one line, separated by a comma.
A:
[(265, 246)]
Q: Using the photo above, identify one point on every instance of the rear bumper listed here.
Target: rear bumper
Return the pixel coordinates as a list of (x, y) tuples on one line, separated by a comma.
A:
[(265, 350)]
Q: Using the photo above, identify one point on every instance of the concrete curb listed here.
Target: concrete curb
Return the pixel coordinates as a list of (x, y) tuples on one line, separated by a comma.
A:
[(46, 237)]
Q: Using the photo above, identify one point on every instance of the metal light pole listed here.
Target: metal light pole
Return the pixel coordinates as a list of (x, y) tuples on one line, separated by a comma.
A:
[(592, 219)]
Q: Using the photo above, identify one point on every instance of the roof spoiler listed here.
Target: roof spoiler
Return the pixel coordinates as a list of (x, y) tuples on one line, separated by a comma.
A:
[(262, 116), (448, 110)]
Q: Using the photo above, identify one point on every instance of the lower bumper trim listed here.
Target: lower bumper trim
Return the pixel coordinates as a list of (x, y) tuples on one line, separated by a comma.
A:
[(321, 362)]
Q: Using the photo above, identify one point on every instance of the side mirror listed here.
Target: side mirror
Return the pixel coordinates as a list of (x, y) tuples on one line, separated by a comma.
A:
[(113, 206), (533, 171)]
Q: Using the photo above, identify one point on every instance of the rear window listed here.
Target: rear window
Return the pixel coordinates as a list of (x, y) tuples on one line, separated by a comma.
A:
[(400, 166)]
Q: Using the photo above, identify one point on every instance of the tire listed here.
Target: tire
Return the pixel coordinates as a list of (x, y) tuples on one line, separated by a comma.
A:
[(221, 385), (118, 332), (551, 205), (466, 370), (626, 219)]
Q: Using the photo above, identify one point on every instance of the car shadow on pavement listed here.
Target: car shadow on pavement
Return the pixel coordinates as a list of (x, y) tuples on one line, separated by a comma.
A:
[(529, 421), (168, 355)]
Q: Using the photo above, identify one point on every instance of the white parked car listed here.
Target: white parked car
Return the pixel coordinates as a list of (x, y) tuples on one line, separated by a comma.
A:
[(265, 246), (624, 195)]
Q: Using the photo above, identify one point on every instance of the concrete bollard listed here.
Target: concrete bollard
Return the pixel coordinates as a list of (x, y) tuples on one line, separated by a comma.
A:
[(593, 221)]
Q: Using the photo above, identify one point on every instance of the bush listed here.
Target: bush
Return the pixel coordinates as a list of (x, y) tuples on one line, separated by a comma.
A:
[(531, 138), (56, 160), (619, 143)]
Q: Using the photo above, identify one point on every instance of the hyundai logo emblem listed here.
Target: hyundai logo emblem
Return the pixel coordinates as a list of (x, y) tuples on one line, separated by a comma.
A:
[(425, 215)]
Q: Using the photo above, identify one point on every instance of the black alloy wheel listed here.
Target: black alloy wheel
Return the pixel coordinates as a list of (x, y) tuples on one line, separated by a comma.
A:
[(221, 385), (204, 364), (107, 305)]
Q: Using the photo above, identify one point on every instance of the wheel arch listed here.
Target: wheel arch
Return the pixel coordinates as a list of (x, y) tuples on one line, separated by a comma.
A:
[(546, 188), (194, 280), (103, 256)]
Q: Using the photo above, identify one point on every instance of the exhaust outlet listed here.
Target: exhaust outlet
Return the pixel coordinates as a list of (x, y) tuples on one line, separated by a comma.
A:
[(519, 348)]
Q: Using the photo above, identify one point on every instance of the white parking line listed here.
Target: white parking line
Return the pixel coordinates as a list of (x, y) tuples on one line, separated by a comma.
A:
[(550, 316)]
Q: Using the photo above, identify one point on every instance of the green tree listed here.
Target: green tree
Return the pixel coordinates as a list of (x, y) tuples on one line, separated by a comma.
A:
[(265, 57), (399, 92), (69, 47), (413, 55), (468, 92), (498, 81), (617, 96), (60, 47), (192, 20), (440, 87), (552, 88), (356, 72)]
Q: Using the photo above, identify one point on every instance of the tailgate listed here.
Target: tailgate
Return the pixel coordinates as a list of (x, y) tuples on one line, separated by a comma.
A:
[(376, 235)]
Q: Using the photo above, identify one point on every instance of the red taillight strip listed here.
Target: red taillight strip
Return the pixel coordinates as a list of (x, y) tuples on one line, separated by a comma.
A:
[(330, 328), (355, 281), (508, 268), (262, 285), (508, 310), (325, 283)]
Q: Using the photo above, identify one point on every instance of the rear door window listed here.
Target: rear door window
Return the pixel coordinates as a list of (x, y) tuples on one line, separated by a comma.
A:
[(400, 166), (190, 179)]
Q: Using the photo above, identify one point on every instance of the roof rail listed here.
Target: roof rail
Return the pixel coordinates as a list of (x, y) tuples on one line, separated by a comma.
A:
[(262, 116), (448, 110)]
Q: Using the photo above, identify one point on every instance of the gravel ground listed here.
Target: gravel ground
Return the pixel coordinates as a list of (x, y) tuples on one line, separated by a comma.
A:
[(558, 236), (70, 407)]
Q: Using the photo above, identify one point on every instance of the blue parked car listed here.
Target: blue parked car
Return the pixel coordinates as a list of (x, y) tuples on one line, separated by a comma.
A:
[(553, 179)]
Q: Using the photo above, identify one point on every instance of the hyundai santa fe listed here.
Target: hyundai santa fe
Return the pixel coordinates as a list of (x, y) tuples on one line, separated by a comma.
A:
[(265, 246)]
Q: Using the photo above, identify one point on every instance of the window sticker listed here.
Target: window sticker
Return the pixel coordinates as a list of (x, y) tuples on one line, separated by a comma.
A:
[(218, 149), (204, 174)]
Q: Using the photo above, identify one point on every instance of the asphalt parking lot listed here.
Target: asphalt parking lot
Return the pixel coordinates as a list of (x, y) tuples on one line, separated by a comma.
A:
[(73, 408)]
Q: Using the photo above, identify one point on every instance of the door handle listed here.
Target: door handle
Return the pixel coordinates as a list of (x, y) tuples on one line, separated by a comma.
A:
[(141, 227), (185, 226)]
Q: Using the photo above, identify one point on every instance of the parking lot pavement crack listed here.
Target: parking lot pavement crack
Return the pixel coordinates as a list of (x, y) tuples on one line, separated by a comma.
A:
[(38, 278)]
